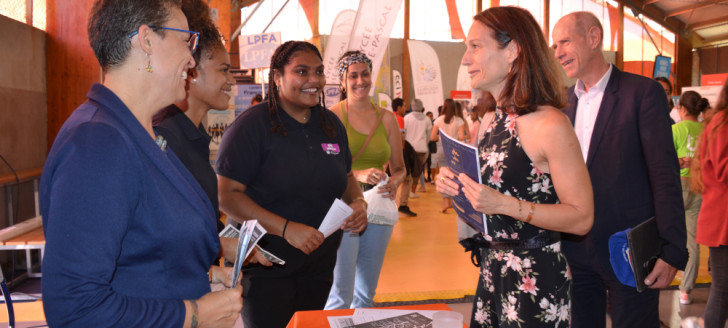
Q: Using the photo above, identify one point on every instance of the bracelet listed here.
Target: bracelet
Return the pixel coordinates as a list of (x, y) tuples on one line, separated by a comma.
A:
[(209, 275), (520, 209), (193, 321), (530, 213), (366, 205), (283, 235)]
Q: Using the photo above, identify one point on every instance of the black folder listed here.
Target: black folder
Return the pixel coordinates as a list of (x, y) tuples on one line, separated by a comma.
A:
[(644, 247)]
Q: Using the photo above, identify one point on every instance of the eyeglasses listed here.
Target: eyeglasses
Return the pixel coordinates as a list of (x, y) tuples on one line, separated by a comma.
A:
[(191, 42)]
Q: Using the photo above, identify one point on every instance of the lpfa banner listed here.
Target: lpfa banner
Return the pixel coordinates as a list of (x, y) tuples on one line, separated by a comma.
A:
[(256, 49)]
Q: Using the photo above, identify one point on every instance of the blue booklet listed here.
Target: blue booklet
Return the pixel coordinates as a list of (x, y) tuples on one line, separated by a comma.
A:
[(463, 158)]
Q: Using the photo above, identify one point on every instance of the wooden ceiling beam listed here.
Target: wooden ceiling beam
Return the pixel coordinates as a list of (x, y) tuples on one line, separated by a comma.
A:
[(696, 6), (707, 24), (653, 12)]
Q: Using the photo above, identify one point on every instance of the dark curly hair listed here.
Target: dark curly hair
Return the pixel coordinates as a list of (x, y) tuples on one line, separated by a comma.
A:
[(199, 20), (282, 57), (111, 22)]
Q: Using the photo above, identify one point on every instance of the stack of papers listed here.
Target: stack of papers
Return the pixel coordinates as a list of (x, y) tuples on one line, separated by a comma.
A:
[(366, 318), (248, 237)]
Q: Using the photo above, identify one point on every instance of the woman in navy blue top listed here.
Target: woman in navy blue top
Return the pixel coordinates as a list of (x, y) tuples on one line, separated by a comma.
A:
[(283, 162), (130, 235)]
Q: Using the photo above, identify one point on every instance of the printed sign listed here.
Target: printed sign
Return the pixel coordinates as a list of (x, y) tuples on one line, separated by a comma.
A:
[(397, 83), (662, 67), (256, 49)]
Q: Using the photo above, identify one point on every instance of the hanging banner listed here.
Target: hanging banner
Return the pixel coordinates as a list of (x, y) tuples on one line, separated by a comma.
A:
[(372, 27), (245, 93), (662, 67), (256, 49), (337, 43), (332, 95), (385, 101), (397, 83), (426, 75)]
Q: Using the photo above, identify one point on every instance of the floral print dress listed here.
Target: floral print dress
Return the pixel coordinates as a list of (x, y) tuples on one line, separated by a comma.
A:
[(518, 287)]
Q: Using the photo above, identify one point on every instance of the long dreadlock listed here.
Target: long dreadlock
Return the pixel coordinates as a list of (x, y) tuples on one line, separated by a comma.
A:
[(282, 57)]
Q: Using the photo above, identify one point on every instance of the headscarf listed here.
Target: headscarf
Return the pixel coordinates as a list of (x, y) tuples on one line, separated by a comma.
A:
[(352, 58)]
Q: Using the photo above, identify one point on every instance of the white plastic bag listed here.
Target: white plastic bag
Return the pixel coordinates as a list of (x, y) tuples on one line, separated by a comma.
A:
[(380, 210)]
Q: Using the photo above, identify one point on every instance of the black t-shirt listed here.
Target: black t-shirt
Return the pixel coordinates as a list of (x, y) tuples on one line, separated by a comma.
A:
[(297, 176)]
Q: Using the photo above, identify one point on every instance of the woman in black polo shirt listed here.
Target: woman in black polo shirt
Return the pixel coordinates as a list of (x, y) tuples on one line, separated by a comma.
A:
[(283, 162)]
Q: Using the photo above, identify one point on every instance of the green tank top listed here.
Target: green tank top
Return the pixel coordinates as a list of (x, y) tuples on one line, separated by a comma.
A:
[(377, 152), (684, 135)]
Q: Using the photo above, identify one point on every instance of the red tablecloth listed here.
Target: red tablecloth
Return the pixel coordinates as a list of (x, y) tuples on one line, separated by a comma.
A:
[(317, 319)]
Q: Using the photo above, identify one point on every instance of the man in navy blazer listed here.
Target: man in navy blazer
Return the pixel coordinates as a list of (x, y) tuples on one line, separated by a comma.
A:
[(622, 125)]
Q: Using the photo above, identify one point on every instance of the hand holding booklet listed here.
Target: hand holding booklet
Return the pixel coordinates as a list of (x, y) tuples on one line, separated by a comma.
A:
[(250, 234), (463, 158), (231, 232)]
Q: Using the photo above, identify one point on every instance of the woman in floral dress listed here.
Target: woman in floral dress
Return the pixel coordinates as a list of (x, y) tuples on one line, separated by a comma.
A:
[(535, 182)]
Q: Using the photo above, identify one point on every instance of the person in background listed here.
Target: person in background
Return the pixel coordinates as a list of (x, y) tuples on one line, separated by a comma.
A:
[(667, 86), (684, 136), (712, 228), (361, 254), (622, 125), (466, 127), (454, 127), (130, 234), (535, 183), (432, 148), (257, 99), (473, 134), (417, 132), (399, 111), (283, 162)]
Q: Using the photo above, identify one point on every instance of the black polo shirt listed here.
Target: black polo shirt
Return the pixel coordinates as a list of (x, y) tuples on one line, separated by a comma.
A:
[(191, 144)]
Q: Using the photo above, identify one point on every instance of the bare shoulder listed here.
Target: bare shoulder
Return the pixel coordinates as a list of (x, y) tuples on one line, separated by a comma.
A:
[(336, 108), (548, 119), (388, 117)]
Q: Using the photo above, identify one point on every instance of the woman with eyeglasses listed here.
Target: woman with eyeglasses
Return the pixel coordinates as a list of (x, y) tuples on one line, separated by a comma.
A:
[(130, 235)]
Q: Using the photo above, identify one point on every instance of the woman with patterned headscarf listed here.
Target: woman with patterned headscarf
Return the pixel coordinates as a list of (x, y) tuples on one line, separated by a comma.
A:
[(375, 141)]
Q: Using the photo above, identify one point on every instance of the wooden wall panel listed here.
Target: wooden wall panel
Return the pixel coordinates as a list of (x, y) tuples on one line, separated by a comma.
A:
[(70, 62), (22, 94), (683, 65)]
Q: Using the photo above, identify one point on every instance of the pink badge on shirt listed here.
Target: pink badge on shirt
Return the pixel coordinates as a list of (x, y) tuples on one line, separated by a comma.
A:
[(331, 149)]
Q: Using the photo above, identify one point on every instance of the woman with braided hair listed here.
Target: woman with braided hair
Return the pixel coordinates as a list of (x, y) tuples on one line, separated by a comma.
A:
[(283, 162), (361, 255)]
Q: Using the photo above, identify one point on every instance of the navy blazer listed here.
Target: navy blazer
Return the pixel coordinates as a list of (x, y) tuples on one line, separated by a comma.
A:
[(129, 232), (633, 167)]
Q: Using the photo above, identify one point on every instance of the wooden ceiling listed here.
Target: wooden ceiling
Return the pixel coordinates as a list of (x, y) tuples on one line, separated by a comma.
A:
[(705, 22)]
